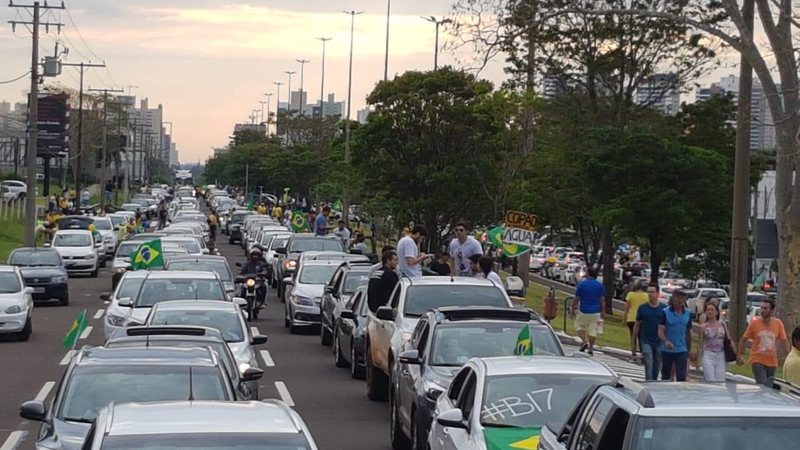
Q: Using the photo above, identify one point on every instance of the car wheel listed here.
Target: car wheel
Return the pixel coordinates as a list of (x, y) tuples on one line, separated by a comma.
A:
[(94, 273), (356, 371), (337, 351), (416, 441), (64, 301), (25, 334), (325, 336), (377, 381), (399, 439)]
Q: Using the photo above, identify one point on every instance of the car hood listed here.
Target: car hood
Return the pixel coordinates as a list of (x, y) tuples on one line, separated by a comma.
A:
[(107, 233), (241, 352), (309, 290), (138, 314), (42, 272), (7, 300), (70, 435), (75, 251), (441, 375)]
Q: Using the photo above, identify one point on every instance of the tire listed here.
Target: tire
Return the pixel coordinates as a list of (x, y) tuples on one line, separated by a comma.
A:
[(325, 336), (64, 301), (377, 381), (356, 371), (25, 334), (417, 442), (399, 439), (94, 274), (230, 241), (103, 264), (337, 351)]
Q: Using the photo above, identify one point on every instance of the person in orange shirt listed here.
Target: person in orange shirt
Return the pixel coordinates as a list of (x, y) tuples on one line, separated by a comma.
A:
[(765, 332)]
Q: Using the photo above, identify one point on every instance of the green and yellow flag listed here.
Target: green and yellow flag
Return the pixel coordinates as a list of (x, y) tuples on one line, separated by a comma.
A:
[(524, 342), (148, 255), (299, 223), (74, 333), (511, 438), (495, 236)]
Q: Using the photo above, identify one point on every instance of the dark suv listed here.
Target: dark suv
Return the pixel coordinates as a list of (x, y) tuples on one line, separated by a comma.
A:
[(234, 225), (44, 271), (286, 261)]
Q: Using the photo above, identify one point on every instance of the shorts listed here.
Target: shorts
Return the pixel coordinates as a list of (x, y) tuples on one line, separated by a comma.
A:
[(587, 322)]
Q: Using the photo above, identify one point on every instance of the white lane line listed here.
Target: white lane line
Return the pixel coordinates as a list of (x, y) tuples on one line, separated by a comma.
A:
[(99, 313), (284, 393), (13, 440), (267, 358), (45, 391), (67, 358), (86, 332), (254, 331)]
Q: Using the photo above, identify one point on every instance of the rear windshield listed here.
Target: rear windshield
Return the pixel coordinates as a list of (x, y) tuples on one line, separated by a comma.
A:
[(310, 245), (423, 298), (704, 433)]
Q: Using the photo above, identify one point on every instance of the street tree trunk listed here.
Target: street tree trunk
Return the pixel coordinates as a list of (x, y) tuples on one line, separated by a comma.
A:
[(608, 267)]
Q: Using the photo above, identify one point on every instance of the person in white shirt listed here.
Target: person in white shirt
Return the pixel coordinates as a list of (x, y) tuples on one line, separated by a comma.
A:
[(408, 251), (487, 267), (343, 233), (461, 249)]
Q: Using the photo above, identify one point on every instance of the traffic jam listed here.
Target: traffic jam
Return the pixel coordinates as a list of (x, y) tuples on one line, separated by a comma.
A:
[(458, 362)]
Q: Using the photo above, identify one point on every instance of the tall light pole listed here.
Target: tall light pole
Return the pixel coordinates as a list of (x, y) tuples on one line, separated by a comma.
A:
[(104, 149), (269, 97), (386, 58), (345, 203), (433, 20), (302, 71), (322, 83), (262, 109), (290, 73), (278, 84)]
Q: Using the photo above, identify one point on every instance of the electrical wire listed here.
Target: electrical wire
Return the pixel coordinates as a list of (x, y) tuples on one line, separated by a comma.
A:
[(80, 36), (16, 79)]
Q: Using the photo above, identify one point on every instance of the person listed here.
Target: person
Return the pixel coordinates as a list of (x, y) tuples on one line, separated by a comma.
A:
[(162, 215), (277, 212), (379, 265), (408, 251), (675, 333), (321, 223), (765, 332), (109, 191), (312, 221), (645, 330), (441, 264), (359, 244), (383, 281), (791, 367), (635, 298), (590, 295), (711, 348), (710, 299), (487, 268), (85, 197), (343, 233), (474, 266), (461, 248), (212, 231), (256, 265)]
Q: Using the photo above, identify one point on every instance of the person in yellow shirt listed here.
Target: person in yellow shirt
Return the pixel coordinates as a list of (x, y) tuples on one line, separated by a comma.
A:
[(791, 367), (277, 212), (635, 298)]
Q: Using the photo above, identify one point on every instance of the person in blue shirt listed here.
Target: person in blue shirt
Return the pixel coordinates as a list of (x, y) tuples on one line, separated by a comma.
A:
[(648, 318), (321, 226), (588, 308), (675, 334)]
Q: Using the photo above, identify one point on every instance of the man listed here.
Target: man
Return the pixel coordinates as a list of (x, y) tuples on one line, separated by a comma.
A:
[(162, 215), (85, 197), (321, 224), (359, 244), (256, 265), (765, 332), (343, 233), (379, 265), (212, 230), (648, 318), (791, 368), (383, 281), (442, 264), (590, 297), (408, 252), (675, 333), (461, 248)]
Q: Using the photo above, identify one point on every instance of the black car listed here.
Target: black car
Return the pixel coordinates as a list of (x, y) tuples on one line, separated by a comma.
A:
[(235, 225), (345, 281), (44, 271), (349, 334)]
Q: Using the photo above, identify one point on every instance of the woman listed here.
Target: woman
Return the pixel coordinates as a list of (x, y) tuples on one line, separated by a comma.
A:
[(711, 350), (709, 300), (487, 269)]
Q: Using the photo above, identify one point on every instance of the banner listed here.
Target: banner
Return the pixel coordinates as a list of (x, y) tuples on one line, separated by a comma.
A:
[(511, 250)]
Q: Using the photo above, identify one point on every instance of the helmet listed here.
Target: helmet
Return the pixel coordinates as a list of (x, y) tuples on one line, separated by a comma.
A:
[(255, 252)]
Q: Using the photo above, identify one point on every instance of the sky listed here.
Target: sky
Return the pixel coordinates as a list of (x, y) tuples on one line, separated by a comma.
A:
[(209, 62)]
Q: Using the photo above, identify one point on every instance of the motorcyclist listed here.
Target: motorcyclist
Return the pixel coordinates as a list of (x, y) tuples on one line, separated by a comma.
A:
[(256, 265)]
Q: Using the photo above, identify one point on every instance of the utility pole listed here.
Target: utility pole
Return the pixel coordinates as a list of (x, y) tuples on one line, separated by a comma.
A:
[(278, 84), (302, 70), (104, 150), (290, 73), (33, 115), (741, 190), (322, 83), (269, 97), (386, 58), (438, 23), (262, 109), (345, 202)]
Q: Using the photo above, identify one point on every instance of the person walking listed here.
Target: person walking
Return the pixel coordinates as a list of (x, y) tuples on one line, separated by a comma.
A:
[(487, 268), (461, 248), (645, 330), (383, 281), (588, 308), (711, 348), (635, 298), (765, 332), (408, 251), (791, 368), (675, 333)]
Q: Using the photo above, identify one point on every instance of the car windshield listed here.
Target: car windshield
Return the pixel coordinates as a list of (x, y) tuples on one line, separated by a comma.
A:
[(310, 245), (719, 293), (278, 242), (532, 400), (117, 220), (126, 248), (227, 322), (72, 240), (39, 258), (103, 224), (93, 387), (454, 344), (191, 245), (218, 267), (423, 298), (160, 290), (317, 274), (9, 283), (355, 280), (217, 441), (129, 287), (701, 433)]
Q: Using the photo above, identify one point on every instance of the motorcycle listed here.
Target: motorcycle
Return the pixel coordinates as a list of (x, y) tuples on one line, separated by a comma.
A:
[(252, 285)]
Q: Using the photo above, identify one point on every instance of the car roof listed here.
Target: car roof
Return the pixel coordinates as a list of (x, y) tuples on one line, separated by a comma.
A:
[(162, 356), (541, 364), (297, 236), (196, 305), (73, 231), (182, 274), (35, 249), (5, 268), (157, 333), (213, 258), (446, 280), (203, 416)]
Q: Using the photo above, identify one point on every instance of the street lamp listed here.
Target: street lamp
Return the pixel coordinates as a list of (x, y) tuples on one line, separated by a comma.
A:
[(386, 58), (262, 109), (278, 103), (290, 73), (345, 203), (269, 97), (433, 20), (322, 83), (302, 71)]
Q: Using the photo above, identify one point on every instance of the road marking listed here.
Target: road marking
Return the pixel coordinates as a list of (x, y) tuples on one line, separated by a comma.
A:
[(67, 358), (284, 393), (267, 358), (99, 313), (254, 331), (13, 440), (45, 391), (86, 332)]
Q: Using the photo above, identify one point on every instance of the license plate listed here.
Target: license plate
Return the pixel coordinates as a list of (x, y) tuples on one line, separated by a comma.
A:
[(71, 264), (38, 290)]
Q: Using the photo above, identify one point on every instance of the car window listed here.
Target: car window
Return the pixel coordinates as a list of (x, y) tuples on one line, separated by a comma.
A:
[(309, 245), (39, 258), (219, 267), (103, 224), (218, 346), (423, 298), (129, 287), (355, 280), (458, 383), (422, 341), (352, 303), (455, 344), (316, 274), (699, 433), (589, 436), (9, 283), (158, 290), (72, 240), (227, 322), (466, 400), (278, 242)]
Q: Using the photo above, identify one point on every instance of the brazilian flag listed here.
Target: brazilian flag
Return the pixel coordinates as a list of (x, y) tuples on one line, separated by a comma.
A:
[(74, 333), (524, 342), (148, 255), (511, 438), (299, 223), (511, 250)]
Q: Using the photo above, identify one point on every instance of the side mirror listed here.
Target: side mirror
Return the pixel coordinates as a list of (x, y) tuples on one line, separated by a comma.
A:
[(410, 357), (29, 290), (125, 302), (385, 313), (238, 264), (252, 374), (240, 302), (33, 410), (347, 314), (106, 297), (281, 250), (329, 289), (452, 418), (258, 340), (206, 251), (288, 281)]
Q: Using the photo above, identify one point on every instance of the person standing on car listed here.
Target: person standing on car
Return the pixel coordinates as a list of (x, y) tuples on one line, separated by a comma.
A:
[(791, 368), (675, 333), (321, 224), (711, 348), (343, 233), (588, 308), (765, 332), (461, 248), (383, 281), (408, 251), (648, 318)]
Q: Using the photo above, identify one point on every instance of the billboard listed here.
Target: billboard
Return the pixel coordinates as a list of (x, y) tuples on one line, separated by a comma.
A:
[(53, 125)]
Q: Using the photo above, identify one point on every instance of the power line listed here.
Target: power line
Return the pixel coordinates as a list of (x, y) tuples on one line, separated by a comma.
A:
[(72, 21), (80, 36), (17, 79)]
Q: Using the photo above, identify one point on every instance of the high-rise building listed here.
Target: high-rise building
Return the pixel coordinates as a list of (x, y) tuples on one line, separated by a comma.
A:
[(363, 114), (332, 108), (553, 86), (298, 101), (660, 92)]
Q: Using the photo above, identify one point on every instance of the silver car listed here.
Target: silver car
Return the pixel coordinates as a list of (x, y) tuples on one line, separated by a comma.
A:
[(16, 304), (305, 292), (127, 287)]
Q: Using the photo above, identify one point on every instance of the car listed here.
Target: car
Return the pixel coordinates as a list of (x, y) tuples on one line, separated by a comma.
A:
[(304, 292), (268, 244), (191, 244), (537, 261), (105, 227), (247, 226), (205, 263), (504, 402), (344, 282), (287, 259), (16, 304), (127, 287), (574, 273), (444, 340), (264, 232), (349, 333), (78, 250), (235, 226), (200, 425), (664, 415), (44, 271), (121, 263), (695, 303), (132, 207), (390, 327), (13, 190), (243, 376)]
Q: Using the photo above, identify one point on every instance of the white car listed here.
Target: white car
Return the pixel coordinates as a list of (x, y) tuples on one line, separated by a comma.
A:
[(127, 287), (574, 273), (16, 304), (79, 250), (13, 189), (695, 303), (105, 227), (304, 293)]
